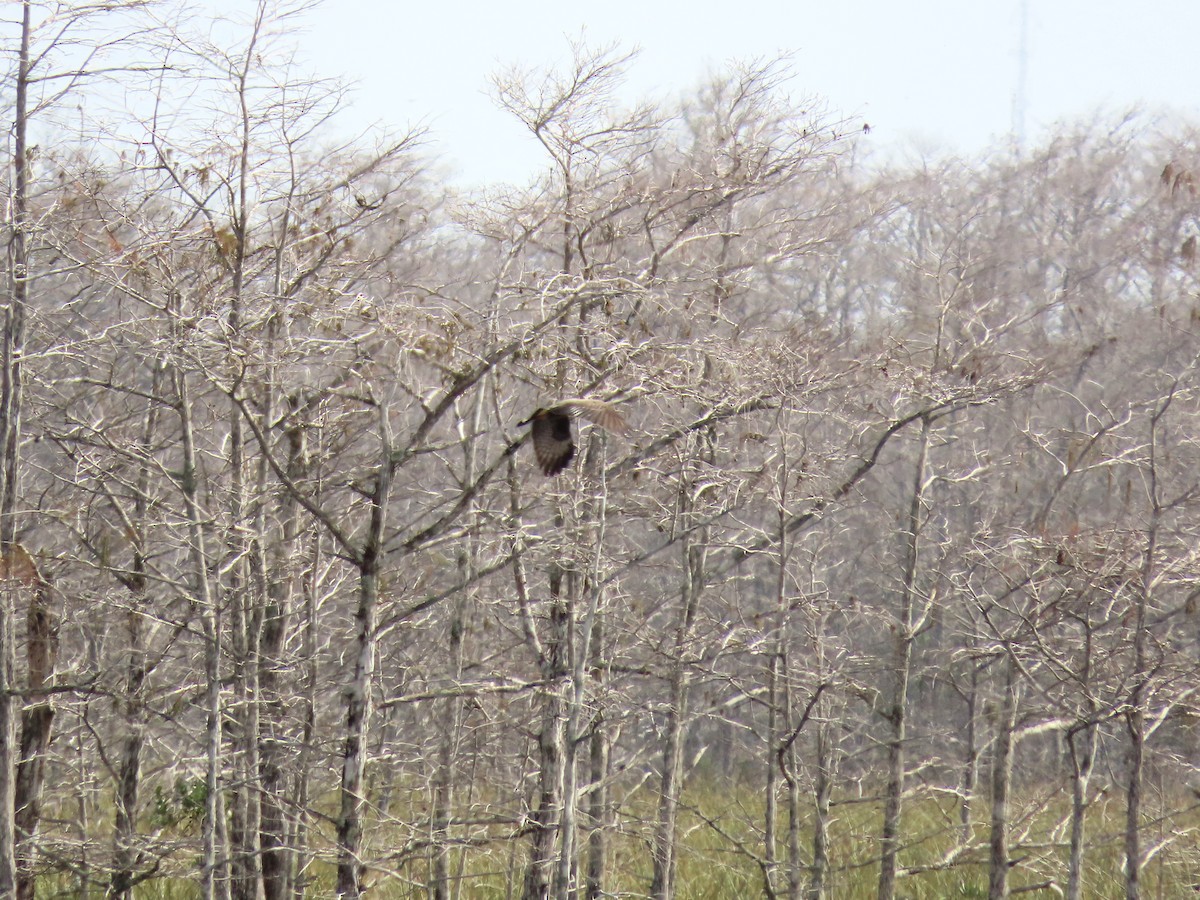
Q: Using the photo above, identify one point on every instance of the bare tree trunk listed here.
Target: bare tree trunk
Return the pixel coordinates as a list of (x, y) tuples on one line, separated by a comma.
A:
[(8, 747), (822, 791), (778, 711), (12, 374), (970, 765), (214, 877), (244, 605), (662, 885), (1081, 749), (1135, 718), (353, 802), (41, 638), (10, 431), (566, 869), (452, 711), (280, 589), (771, 787), (597, 810), (299, 870), (1081, 744), (897, 706), (271, 740), (129, 767), (1134, 723), (795, 804), (582, 650), (693, 557), (275, 568), (213, 880), (823, 749), (450, 724), (549, 655), (546, 816), (244, 722), (350, 868), (1002, 762), (82, 823), (133, 703)]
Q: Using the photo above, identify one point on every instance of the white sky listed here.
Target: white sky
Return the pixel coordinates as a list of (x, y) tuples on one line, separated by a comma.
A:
[(928, 75)]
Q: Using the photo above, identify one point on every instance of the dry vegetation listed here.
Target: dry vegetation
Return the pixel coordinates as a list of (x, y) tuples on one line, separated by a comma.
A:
[(890, 590)]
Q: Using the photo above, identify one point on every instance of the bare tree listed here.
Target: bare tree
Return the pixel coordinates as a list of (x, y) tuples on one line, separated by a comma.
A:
[(912, 446)]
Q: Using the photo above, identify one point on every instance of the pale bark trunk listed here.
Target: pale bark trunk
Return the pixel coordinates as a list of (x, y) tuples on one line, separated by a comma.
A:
[(244, 600), (245, 820), (271, 737), (299, 872), (353, 801), (10, 430), (214, 882), (598, 814), (125, 855), (273, 840), (1082, 747), (278, 580), (133, 702), (452, 707), (37, 718), (8, 748), (1081, 750), (970, 766), (662, 885), (567, 857), (582, 657), (358, 713), (1133, 803), (822, 791), (775, 696), (548, 653), (779, 715), (1135, 719), (546, 815), (896, 713), (443, 782), (1002, 763), (795, 862)]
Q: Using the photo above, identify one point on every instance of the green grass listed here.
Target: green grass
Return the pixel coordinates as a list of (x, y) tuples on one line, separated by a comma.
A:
[(720, 833), (931, 831)]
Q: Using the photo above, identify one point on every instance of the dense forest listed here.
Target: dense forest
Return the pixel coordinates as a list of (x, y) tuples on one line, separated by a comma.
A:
[(889, 590)]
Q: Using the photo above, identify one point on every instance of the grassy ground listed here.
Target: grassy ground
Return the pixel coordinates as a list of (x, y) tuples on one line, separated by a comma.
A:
[(721, 853), (710, 867)]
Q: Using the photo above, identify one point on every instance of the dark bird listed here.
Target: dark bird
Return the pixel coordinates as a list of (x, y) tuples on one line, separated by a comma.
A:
[(553, 442)]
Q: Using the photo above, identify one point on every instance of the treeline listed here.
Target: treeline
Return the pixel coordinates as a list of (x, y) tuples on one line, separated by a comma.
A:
[(903, 540)]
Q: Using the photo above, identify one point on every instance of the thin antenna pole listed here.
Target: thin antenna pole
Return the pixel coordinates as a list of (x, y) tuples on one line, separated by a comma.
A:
[(1020, 95)]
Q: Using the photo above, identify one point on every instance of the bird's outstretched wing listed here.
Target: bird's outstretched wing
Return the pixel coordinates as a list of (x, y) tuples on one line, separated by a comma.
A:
[(600, 412)]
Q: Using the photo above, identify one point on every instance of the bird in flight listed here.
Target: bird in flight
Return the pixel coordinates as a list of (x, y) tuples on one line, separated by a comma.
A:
[(553, 443)]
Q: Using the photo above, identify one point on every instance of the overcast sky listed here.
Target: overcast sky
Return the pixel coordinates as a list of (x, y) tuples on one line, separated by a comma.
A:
[(928, 75)]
